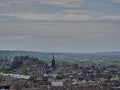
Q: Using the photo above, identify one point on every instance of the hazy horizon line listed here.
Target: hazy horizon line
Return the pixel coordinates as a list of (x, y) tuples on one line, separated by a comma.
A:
[(58, 51)]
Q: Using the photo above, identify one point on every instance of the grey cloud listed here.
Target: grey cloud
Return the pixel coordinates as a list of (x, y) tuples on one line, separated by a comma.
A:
[(67, 30), (16, 8), (75, 30), (66, 3), (66, 16), (116, 1), (22, 10), (60, 36)]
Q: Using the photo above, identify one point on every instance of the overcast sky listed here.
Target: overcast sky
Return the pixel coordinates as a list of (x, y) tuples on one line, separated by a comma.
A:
[(60, 25)]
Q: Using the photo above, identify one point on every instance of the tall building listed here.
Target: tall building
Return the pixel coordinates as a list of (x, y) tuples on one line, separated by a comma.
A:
[(53, 62)]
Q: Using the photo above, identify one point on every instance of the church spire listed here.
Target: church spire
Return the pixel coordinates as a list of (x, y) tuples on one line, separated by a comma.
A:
[(53, 56), (53, 61)]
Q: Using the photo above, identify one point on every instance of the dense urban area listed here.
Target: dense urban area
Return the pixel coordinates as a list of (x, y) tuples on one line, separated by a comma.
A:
[(85, 73)]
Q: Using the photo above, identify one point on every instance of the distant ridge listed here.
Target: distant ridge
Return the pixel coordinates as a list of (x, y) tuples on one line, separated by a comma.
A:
[(114, 53), (48, 55)]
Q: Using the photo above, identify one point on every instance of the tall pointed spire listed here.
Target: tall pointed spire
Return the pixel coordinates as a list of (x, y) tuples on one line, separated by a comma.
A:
[(53, 56), (53, 61)]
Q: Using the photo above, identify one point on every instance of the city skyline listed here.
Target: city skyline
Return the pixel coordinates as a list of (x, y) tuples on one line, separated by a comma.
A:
[(60, 25)]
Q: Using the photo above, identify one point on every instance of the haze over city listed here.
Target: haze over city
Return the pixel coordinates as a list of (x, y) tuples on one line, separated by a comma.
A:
[(60, 25)]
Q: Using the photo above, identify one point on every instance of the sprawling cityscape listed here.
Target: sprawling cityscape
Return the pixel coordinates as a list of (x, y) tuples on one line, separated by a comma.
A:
[(59, 44), (28, 73)]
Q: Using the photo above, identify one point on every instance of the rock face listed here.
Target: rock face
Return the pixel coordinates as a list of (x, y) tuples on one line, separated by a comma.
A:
[(20, 61)]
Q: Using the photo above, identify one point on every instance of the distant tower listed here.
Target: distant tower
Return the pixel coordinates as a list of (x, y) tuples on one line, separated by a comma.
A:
[(53, 62)]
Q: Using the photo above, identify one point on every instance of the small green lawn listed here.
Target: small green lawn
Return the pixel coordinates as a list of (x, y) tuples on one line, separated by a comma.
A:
[(6, 71)]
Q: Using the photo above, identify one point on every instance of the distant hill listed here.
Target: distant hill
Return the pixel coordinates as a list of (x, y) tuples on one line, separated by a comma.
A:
[(11, 54), (47, 56), (108, 53)]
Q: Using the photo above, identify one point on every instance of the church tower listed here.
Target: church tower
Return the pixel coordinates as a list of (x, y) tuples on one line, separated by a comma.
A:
[(53, 62)]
